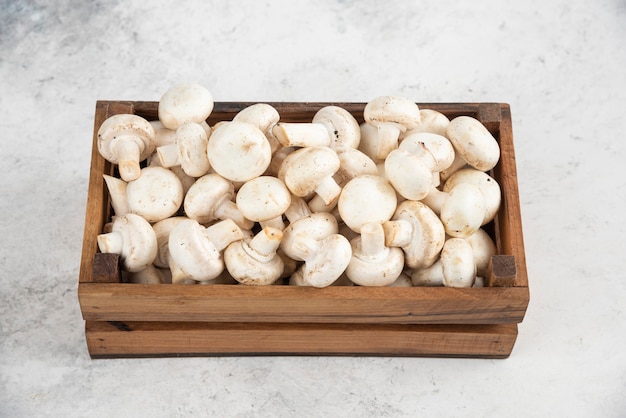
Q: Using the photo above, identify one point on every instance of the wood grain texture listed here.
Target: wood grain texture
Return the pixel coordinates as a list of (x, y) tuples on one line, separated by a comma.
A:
[(342, 304), (129, 339)]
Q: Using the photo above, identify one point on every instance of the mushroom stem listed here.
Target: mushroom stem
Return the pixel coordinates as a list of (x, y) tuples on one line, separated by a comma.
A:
[(129, 153), (372, 239), (112, 242), (168, 155), (301, 134), (328, 190), (297, 209), (398, 233), (276, 223), (223, 233), (228, 209), (117, 192), (266, 242), (304, 247)]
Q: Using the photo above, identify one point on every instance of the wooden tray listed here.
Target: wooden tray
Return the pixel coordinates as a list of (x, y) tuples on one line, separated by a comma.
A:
[(127, 320)]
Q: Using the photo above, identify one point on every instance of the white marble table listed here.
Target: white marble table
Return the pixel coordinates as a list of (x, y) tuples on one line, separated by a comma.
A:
[(559, 64)]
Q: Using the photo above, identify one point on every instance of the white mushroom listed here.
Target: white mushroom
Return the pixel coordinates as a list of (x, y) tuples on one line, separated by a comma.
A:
[(189, 150), (311, 227), (254, 261), (410, 167), (483, 248), (117, 194), (325, 260), (162, 231), (149, 275), (391, 115), (239, 151), (455, 267), (185, 102), (457, 262), (418, 231), (473, 142), (301, 134), (366, 199), (463, 211), (210, 198), (430, 121), (264, 199), (195, 252), (368, 143), (133, 238), (126, 140), (157, 194), (488, 186), (264, 117), (309, 170), (403, 280), (431, 276), (373, 263), (341, 126)]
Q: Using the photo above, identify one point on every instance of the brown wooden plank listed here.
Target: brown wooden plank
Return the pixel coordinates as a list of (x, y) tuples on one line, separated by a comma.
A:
[(130, 339), (339, 304), (509, 233)]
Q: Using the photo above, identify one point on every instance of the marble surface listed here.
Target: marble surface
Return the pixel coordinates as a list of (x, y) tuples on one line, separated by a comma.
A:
[(559, 64)]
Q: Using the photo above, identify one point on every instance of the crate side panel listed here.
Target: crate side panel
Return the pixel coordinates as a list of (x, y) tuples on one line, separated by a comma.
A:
[(157, 339)]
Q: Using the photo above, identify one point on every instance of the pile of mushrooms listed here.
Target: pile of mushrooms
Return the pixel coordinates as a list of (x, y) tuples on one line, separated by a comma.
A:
[(399, 200)]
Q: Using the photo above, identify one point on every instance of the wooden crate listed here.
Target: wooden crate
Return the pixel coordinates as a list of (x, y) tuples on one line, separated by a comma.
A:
[(126, 320)]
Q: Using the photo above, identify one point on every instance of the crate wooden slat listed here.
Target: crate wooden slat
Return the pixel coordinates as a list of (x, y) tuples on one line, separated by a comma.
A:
[(480, 322), (122, 339)]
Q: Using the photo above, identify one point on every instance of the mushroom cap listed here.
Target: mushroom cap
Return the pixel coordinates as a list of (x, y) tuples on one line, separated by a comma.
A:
[(473, 142), (379, 269), (439, 147), (428, 233), (463, 211), (246, 270), (457, 262), (392, 109), (369, 143), (185, 102), (316, 226), (162, 230), (483, 249), (261, 115), (409, 175), (126, 139), (263, 198), (157, 194), (343, 128), (328, 264), (430, 121), (193, 253), (304, 169), (259, 264), (365, 199), (353, 163), (205, 195), (487, 185), (139, 243), (239, 151), (192, 142), (429, 276)]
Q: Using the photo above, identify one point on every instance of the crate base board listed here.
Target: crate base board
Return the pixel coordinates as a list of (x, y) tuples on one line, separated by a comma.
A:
[(158, 339)]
